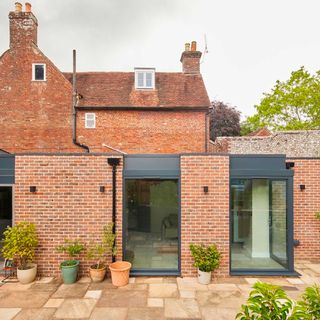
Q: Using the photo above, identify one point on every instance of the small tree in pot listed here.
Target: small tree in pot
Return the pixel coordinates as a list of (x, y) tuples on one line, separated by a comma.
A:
[(19, 245), (99, 251), (70, 268), (206, 259)]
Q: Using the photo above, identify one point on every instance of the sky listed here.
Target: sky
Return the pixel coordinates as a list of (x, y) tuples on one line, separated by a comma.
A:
[(251, 43)]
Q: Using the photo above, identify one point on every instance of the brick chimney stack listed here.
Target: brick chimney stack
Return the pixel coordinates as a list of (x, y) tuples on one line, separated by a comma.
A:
[(190, 59), (23, 27)]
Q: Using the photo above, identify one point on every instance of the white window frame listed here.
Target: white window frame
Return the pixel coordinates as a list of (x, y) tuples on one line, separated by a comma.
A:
[(144, 71), (34, 71), (92, 119)]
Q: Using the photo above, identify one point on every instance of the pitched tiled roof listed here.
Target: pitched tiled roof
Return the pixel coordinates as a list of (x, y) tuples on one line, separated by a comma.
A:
[(116, 89)]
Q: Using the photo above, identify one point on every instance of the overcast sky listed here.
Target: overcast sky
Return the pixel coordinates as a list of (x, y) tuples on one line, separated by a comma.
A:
[(251, 43)]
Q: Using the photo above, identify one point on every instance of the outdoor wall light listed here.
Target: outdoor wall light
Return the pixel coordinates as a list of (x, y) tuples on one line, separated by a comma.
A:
[(205, 189), (296, 242), (302, 187), (102, 189), (289, 165), (33, 189)]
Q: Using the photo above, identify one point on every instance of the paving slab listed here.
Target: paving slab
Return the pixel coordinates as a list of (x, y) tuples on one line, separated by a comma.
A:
[(94, 294), (163, 290), (15, 286), (8, 313), (188, 294), (209, 313), (314, 267), (109, 314), (295, 281), (75, 308), (223, 298), (76, 290), (53, 303), (84, 280), (35, 314), (149, 280), (123, 298), (145, 314), (190, 284), (155, 302), (134, 286), (181, 308), (223, 287), (21, 299), (45, 280)]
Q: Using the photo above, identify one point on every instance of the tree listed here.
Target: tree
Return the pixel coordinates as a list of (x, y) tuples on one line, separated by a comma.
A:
[(291, 105), (224, 120)]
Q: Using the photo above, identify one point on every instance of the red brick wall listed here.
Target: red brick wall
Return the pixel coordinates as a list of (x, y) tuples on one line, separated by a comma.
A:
[(67, 204), (204, 217), (145, 131), (306, 204)]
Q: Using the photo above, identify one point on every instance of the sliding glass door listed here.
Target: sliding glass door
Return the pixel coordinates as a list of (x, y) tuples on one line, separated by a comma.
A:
[(259, 217), (152, 224)]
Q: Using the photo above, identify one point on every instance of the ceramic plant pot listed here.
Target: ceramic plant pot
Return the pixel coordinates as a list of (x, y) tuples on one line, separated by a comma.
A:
[(120, 273), (204, 277), (69, 270), (28, 275), (97, 275)]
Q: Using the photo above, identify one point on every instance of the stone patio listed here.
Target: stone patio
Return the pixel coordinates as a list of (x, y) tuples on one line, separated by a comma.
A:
[(143, 299)]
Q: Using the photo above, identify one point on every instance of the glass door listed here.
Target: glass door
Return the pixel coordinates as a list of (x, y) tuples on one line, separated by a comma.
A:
[(5, 210), (278, 222), (152, 224)]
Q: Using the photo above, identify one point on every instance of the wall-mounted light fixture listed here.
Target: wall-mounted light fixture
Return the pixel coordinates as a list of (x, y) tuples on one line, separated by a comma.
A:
[(33, 189), (296, 242), (102, 189), (302, 187), (289, 165), (205, 189)]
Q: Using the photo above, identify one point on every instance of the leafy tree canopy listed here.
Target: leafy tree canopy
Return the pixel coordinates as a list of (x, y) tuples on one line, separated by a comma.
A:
[(224, 120), (291, 105)]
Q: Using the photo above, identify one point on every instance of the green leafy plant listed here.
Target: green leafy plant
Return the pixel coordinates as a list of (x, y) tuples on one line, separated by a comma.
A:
[(309, 306), (205, 258), (72, 248), (266, 302), (99, 251), (318, 215), (19, 244)]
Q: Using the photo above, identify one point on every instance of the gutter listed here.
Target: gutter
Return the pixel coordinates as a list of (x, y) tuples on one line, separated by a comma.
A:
[(74, 109)]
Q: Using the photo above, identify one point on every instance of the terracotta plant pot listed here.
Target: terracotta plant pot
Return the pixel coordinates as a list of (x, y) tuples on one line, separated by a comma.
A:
[(120, 273), (97, 275), (204, 277), (28, 275)]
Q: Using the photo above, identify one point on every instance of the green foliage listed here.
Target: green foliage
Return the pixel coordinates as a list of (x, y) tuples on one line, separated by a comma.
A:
[(99, 250), (266, 302), (71, 247), (205, 258), (309, 306), (19, 243), (269, 301), (318, 215), (291, 105), (246, 127)]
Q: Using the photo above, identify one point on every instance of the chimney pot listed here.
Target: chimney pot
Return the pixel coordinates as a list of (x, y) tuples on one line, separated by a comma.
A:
[(28, 7), (18, 7), (193, 46), (187, 47)]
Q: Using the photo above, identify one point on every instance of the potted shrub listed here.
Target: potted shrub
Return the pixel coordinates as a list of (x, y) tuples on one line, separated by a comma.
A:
[(120, 270), (206, 259), (98, 251), (69, 268), (19, 245)]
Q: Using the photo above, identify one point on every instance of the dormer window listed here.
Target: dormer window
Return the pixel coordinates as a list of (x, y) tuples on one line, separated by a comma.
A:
[(144, 78), (38, 72)]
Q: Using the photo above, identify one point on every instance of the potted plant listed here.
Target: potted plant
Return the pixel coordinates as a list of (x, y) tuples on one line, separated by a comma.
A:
[(206, 259), (19, 245), (120, 270), (69, 268), (98, 252)]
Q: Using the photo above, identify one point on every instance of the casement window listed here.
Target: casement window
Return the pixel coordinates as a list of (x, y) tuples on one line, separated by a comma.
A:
[(38, 72), (90, 120), (144, 78)]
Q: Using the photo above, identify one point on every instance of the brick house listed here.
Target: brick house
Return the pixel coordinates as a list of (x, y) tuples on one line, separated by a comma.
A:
[(81, 149)]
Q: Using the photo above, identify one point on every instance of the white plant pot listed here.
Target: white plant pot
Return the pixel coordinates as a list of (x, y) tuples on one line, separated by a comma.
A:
[(204, 277), (27, 276)]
